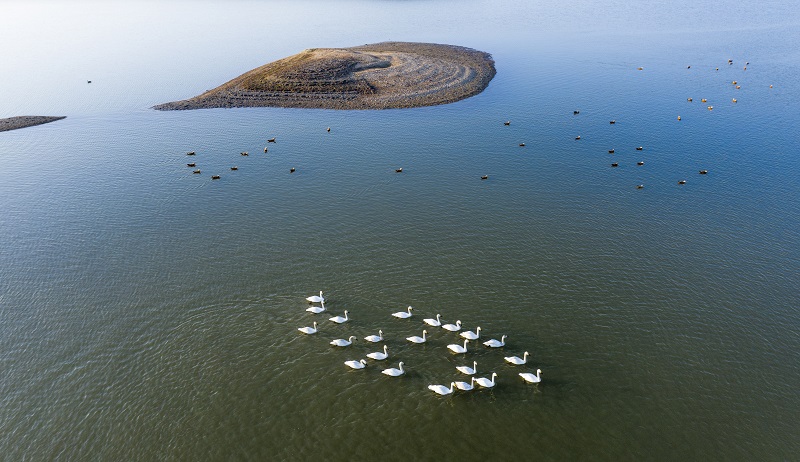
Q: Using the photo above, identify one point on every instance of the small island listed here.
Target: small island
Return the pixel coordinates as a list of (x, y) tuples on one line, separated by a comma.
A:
[(13, 123), (378, 76)]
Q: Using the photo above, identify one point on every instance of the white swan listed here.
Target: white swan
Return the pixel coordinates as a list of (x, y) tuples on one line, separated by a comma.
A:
[(530, 378), (452, 327), (417, 339), (486, 383), (516, 360), (494, 343), (458, 348), (339, 319), (375, 338), (316, 298), (340, 342), (360, 364), (394, 372), (441, 389), (316, 309), (472, 335), (468, 370), (308, 330), (466, 386), (433, 322), (378, 356), (403, 314)]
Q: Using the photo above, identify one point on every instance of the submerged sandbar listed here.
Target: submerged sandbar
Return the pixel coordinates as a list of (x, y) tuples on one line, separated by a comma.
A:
[(13, 123), (378, 76)]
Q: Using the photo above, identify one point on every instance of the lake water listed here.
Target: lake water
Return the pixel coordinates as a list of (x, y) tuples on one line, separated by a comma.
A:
[(147, 313)]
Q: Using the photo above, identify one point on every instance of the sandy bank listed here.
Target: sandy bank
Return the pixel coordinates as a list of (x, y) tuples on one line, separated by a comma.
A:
[(378, 76), (13, 123)]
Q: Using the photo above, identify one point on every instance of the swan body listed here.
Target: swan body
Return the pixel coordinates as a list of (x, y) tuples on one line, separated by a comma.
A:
[(392, 372), (378, 356), (316, 298), (433, 322), (469, 335), (316, 309), (417, 339), (375, 338), (340, 319), (308, 330), (360, 364), (486, 383), (340, 342), (441, 389), (494, 343), (530, 378), (466, 386), (458, 348), (516, 360), (468, 370), (452, 327), (403, 314)]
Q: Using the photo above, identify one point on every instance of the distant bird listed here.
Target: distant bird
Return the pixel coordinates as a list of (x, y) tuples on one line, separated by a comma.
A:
[(196, 171), (375, 338), (711, 108), (679, 117), (738, 87), (689, 99), (576, 112), (392, 372), (234, 168), (611, 151), (703, 100), (340, 342), (215, 177), (469, 335), (640, 163), (466, 386), (378, 356), (640, 186), (507, 122), (455, 348), (733, 83), (516, 360), (703, 172), (640, 69), (192, 164), (265, 149), (418, 339), (329, 129), (433, 322), (485, 177), (88, 81), (717, 68), (308, 330), (360, 364), (486, 383), (316, 309), (452, 327), (615, 164), (271, 140), (398, 170), (340, 319), (493, 343), (403, 314), (441, 389), (190, 153), (770, 86), (612, 122), (688, 67), (244, 153), (682, 182), (468, 370), (578, 137), (316, 298), (640, 148), (530, 378), (734, 100), (291, 170), (522, 144)]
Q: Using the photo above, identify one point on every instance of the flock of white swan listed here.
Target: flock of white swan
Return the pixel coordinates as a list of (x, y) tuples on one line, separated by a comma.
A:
[(455, 348)]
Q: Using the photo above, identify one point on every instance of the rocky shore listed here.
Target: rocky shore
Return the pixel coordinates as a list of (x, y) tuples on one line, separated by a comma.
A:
[(378, 76), (13, 123)]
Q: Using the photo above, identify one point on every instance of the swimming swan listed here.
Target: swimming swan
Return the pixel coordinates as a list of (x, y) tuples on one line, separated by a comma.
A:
[(316, 298), (452, 327), (316, 309), (516, 360), (468, 370), (472, 335), (375, 338), (466, 386), (378, 356), (403, 314), (340, 342), (433, 322), (458, 348), (360, 364), (493, 343), (339, 319), (486, 383), (308, 330), (530, 378), (441, 389), (417, 339), (392, 372)]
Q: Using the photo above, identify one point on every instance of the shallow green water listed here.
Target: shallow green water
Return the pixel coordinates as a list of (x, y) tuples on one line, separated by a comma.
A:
[(149, 313)]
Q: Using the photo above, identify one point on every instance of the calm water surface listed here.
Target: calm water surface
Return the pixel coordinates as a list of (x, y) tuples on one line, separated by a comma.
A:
[(148, 313)]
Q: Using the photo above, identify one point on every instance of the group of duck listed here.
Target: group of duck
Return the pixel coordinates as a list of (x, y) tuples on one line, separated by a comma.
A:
[(455, 348), (234, 168)]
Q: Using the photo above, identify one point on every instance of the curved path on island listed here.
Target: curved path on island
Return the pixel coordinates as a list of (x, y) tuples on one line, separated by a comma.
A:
[(378, 76)]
